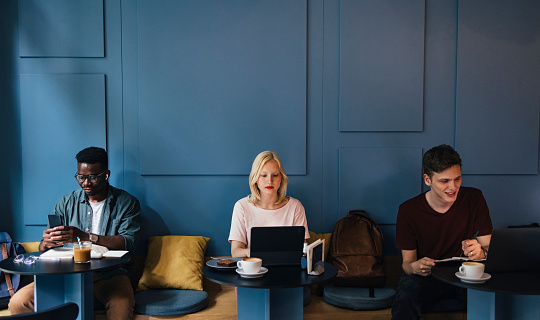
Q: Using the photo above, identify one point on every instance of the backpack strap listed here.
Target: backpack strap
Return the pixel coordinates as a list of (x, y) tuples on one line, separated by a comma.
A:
[(8, 277), (4, 237), (358, 212)]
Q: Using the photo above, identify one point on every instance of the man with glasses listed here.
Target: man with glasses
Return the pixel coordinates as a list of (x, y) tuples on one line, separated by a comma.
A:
[(100, 213)]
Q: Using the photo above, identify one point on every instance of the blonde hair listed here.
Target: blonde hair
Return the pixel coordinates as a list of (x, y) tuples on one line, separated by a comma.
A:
[(261, 159)]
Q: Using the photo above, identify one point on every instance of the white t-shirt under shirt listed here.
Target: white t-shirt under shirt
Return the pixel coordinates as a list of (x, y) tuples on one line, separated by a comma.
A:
[(247, 215), (97, 209)]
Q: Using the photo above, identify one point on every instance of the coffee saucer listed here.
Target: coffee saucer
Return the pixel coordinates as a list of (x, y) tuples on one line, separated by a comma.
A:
[(259, 274), (484, 278)]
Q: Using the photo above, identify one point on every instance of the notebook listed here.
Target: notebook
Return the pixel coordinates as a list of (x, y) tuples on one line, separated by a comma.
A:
[(278, 246), (514, 250)]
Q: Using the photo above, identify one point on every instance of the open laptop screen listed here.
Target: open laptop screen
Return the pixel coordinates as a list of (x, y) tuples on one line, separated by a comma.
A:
[(513, 250), (278, 246)]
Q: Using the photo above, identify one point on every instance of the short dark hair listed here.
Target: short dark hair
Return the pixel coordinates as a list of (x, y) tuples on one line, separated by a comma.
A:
[(93, 155), (440, 158)]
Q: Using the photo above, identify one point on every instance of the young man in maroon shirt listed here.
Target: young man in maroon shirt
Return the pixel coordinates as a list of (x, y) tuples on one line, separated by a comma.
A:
[(448, 220)]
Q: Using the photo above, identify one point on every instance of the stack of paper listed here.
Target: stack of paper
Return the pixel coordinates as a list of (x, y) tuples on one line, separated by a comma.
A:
[(67, 253), (56, 254), (114, 253), (101, 251)]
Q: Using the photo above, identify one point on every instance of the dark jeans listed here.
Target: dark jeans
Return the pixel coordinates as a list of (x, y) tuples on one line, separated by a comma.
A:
[(416, 294)]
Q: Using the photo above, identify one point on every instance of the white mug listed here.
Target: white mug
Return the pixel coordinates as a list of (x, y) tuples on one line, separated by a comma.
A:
[(472, 270), (250, 265)]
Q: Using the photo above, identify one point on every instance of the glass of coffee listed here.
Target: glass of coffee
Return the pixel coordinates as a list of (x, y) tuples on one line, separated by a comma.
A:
[(81, 251)]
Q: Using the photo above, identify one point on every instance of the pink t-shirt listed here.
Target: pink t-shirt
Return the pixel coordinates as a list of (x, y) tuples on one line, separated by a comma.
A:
[(247, 215)]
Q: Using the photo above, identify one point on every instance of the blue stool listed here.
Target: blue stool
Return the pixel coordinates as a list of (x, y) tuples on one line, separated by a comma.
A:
[(170, 302), (359, 298)]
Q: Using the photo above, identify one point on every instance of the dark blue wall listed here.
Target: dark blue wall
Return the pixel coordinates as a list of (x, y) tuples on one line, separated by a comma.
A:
[(184, 94)]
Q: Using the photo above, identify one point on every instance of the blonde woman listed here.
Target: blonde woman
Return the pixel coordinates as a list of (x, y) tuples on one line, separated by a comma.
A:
[(267, 205)]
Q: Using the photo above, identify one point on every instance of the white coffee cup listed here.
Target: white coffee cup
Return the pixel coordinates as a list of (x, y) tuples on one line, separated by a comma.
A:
[(472, 270), (250, 265)]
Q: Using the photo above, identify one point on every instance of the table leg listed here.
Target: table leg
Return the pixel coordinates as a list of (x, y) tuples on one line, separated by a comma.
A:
[(270, 304), (52, 290), (483, 305)]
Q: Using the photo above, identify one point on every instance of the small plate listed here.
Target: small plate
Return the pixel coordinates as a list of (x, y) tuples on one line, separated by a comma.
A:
[(241, 272), (213, 263), (485, 277)]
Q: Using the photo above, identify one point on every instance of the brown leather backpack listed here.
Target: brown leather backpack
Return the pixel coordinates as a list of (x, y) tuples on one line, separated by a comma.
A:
[(356, 250)]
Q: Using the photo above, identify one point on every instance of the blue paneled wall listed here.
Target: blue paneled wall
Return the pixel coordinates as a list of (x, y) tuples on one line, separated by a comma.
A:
[(381, 65), (499, 73), (221, 86), (184, 95), (50, 141)]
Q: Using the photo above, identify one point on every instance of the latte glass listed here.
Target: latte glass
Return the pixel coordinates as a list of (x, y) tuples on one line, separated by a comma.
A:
[(81, 252)]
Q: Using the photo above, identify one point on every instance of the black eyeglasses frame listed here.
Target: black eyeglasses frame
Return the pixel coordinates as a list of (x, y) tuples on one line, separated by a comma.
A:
[(91, 177)]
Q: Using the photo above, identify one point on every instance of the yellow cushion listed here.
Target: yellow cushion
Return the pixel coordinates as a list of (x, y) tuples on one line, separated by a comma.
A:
[(174, 262), (30, 246), (326, 236)]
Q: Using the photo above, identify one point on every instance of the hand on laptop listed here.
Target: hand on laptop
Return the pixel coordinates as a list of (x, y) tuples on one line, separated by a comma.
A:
[(239, 250)]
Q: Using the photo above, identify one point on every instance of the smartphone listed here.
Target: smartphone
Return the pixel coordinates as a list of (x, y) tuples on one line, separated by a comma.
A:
[(54, 220)]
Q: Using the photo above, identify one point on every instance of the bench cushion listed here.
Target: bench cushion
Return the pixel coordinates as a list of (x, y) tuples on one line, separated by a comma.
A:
[(170, 302), (358, 298), (323, 236), (174, 262), (30, 246)]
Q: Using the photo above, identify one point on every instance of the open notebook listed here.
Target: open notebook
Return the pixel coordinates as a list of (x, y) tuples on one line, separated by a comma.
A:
[(66, 252)]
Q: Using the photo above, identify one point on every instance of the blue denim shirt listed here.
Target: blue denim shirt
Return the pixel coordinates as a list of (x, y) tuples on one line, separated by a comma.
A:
[(121, 214)]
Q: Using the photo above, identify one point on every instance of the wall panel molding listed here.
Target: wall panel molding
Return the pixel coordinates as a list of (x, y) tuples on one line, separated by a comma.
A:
[(378, 180), (381, 65), (228, 85), (498, 86), (61, 28), (61, 114)]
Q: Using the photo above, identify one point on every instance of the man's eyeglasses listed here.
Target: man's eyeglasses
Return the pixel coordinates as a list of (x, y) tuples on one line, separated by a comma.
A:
[(91, 177), (29, 260)]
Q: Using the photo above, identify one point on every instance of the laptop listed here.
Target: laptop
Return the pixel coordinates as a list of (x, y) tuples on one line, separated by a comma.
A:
[(278, 246), (514, 250)]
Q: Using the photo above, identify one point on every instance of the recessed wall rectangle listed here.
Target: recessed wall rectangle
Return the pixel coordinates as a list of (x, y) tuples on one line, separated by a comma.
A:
[(381, 65), (60, 115), (215, 92), (61, 28), (498, 83), (378, 180)]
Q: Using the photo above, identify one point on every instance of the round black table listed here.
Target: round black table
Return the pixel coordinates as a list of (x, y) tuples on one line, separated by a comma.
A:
[(60, 281), (62, 266), (507, 295), (278, 294)]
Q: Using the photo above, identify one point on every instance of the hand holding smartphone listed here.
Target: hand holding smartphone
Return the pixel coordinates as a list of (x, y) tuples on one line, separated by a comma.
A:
[(54, 220)]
